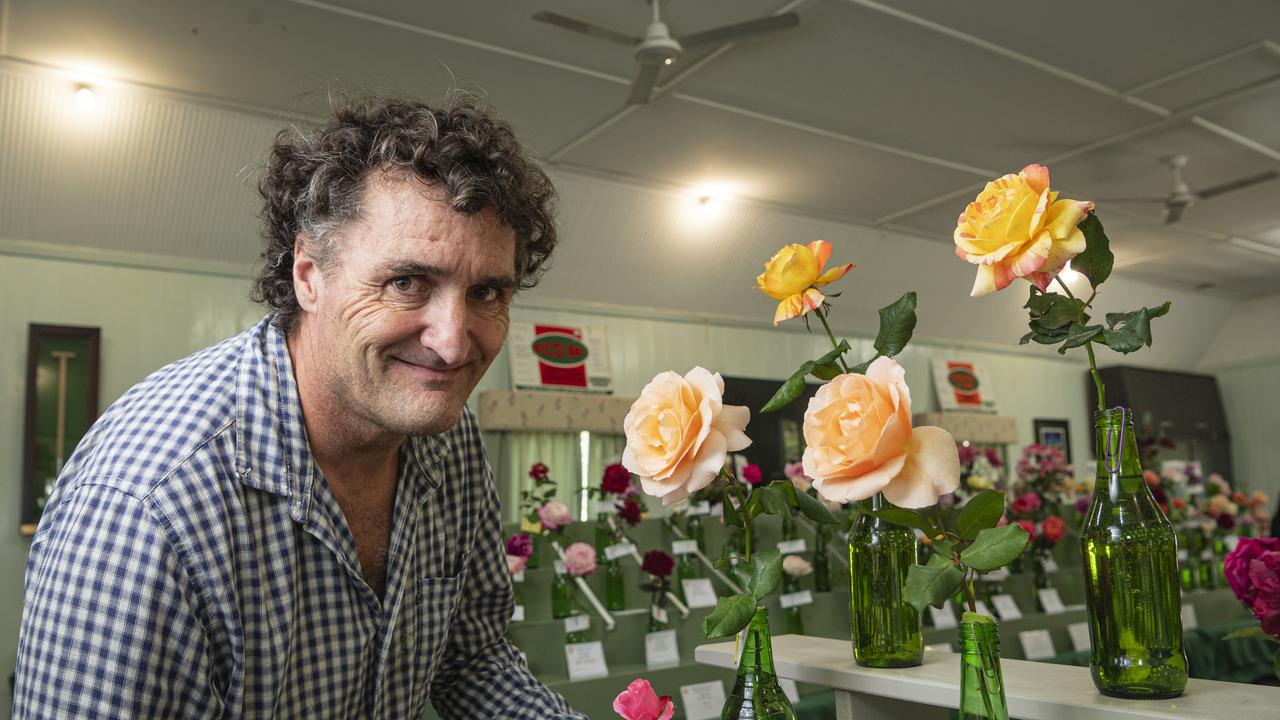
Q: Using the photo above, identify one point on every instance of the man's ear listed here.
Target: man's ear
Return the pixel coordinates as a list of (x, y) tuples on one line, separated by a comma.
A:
[(308, 281)]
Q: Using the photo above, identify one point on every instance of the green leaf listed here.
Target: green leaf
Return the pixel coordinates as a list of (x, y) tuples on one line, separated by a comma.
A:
[(1037, 302), (742, 573), (767, 499), (790, 390), (942, 551), (1248, 632), (730, 616), (1130, 331), (814, 509), (836, 353), (826, 371), (1078, 335), (981, 512), (861, 368), (931, 585), (897, 322), (995, 547), (766, 573), (1053, 311), (1096, 260), (902, 516)]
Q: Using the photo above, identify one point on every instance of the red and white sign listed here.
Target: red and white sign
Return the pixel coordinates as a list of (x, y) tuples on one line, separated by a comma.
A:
[(962, 386), (559, 357)]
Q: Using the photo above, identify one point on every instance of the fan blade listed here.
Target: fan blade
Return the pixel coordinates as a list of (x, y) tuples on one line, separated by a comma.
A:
[(717, 36), (1240, 184), (582, 26), (1173, 212), (642, 86)]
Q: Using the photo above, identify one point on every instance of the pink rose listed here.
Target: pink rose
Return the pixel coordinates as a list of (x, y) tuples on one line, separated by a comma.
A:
[(752, 474), (516, 564), (520, 545), (795, 473), (968, 453), (640, 702), (1025, 503), (679, 432), (860, 441), (1236, 564), (554, 515), (1053, 528), (1152, 478), (1029, 526), (580, 559)]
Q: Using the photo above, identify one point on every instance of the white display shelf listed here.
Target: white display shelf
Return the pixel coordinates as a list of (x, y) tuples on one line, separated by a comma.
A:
[(1035, 691)]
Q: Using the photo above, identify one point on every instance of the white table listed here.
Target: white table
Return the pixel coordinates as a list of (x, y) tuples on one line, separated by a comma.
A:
[(1035, 691)]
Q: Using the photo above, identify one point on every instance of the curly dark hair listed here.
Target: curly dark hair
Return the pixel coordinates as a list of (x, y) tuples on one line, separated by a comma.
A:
[(314, 179)]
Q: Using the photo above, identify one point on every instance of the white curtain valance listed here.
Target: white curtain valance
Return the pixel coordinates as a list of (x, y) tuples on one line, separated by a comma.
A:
[(555, 412)]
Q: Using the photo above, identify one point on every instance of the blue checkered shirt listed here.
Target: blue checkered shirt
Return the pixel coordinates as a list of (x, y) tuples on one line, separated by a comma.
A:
[(193, 563)]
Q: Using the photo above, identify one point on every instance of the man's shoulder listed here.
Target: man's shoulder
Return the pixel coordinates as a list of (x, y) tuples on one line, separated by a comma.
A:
[(166, 420)]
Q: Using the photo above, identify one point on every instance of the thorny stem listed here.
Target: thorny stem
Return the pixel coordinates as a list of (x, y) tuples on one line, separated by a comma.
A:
[(968, 588), (831, 336), (1088, 346)]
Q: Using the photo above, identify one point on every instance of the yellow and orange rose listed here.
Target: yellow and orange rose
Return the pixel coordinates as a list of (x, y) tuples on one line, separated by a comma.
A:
[(1018, 228), (794, 274), (860, 442), (679, 432)]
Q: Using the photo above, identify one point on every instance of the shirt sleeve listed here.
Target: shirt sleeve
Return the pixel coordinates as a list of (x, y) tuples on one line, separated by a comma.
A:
[(108, 624), (481, 674)]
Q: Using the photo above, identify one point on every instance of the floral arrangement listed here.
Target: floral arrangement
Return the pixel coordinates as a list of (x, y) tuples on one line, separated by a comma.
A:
[(640, 702), (519, 550), (980, 469), (534, 499), (1253, 572), (580, 559)]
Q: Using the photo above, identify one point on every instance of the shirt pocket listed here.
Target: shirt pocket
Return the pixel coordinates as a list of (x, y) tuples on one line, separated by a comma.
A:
[(436, 608)]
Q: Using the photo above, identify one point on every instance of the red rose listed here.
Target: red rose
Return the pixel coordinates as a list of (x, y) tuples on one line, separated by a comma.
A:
[(539, 471), (616, 479), (752, 474), (657, 563), (1030, 527), (630, 511), (1053, 528)]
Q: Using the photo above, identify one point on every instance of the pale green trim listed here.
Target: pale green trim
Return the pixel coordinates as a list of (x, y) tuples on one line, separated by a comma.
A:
[(123, 259)]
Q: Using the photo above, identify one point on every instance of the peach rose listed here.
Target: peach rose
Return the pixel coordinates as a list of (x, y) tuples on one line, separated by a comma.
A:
[(794, 274), (1017, 228), (796, 566), (860, 442), (679, 432)]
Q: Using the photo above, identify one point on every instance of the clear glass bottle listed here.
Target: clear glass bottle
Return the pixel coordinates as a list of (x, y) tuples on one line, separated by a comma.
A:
[(822, 560), (885, 628), (981, 681), (756, 693), (615, 585), (1132, 589), (562, 595)]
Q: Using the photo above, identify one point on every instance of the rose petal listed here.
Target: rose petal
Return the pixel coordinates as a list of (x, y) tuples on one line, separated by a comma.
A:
[(847, 490), (821, 250), (932, 469)]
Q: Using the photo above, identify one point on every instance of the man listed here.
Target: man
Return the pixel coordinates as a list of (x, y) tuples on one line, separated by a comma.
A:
[(299, 522)]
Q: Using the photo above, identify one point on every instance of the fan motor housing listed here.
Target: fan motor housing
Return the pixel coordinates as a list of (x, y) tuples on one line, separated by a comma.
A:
[(658, 48)]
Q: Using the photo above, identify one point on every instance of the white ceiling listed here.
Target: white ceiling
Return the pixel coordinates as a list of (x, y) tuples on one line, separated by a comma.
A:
[(884, 114)]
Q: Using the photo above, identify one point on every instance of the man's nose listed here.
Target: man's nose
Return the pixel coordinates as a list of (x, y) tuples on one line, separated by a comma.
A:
[(446, 330)]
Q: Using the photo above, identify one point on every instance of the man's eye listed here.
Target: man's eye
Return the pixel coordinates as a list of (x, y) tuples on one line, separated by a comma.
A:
[(486, 294), (404, 284)]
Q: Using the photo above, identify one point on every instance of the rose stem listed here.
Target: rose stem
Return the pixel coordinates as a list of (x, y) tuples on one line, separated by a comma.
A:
[(1088, 346), (831, 336)]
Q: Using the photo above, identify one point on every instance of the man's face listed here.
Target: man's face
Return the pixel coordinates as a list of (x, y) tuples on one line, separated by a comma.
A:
[(412, 309)]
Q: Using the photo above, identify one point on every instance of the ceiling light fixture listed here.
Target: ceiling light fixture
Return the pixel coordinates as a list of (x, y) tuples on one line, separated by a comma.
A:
[(86, 99), (1067, 275)]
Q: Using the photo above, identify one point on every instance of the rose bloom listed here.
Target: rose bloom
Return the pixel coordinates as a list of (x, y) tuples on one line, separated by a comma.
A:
[(516, 564), (1053, 528), (554, 515), (1226, 522), (1220, 505), (1018, 228), (1025, 503), (752, 474), (1030, 527), (657, 563), (993, 457), (520, 545), (967, 453), (1253, 572), (640, 702), (1082, 505), (539, 471), (1179, 503), (796, 566), (580, 559), (1258, 498), (1151, 477), (679, 432), (616, 479), (859, 440), (795, 472), (1239, 498), (794, 274), (630, 511)]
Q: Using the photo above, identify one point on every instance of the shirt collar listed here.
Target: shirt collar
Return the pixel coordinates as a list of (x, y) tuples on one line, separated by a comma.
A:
[(272, 454)]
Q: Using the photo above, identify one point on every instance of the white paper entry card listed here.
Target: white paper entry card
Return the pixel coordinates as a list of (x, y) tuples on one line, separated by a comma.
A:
[(1037, 644), (698, 593), (703, 701), (585, 660)]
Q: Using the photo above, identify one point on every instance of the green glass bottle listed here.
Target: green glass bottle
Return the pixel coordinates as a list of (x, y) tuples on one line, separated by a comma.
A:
[(885, 628), (535, 555), (603, 533), (562, 596), (981, 681), (1188, 556), (794, 621), (756, 693), (1132, 590), (1042, 581), (689, 567), (574, 636), (821, 560), (615, 585)]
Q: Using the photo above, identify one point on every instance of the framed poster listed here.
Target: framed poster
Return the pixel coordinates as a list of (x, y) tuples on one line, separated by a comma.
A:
[(61, 404), (962, 386), (559, 357), (1054, 433)]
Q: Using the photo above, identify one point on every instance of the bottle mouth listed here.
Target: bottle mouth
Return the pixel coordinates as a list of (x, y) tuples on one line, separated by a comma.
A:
[(1118, 413)]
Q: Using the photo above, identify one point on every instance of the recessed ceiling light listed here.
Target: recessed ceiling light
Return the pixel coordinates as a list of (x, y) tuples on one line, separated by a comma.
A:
[(86, 99)]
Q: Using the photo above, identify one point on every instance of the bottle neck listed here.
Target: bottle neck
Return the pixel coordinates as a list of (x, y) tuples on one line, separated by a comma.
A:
[(757, 652), (979, 637), (1119, 465)]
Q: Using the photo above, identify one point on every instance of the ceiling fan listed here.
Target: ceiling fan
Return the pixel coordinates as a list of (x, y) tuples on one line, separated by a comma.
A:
[(1182, 196), (658, 48)]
